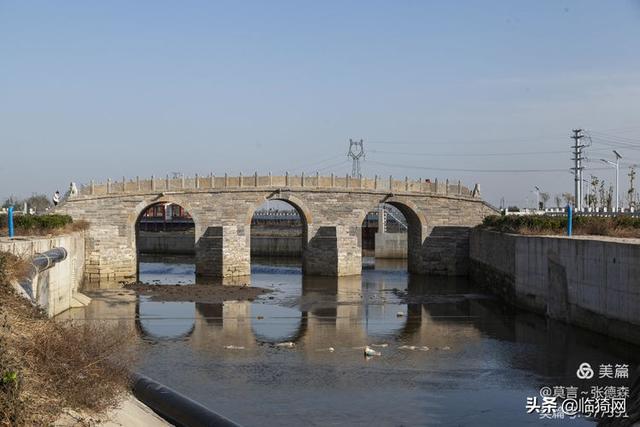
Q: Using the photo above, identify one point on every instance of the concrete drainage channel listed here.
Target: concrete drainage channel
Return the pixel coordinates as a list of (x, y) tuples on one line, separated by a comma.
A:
[(175, 407)]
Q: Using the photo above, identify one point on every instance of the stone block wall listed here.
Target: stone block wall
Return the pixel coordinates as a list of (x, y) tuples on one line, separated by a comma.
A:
[(223, 252)]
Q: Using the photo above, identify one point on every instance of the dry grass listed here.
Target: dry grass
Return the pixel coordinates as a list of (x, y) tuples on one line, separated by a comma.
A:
[(592, 229), (46, 365), (546, 225), (12, 267)]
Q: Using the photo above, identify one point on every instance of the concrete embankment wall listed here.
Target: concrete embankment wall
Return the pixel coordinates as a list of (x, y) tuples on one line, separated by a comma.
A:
[(55, 289), (265, 241), (592, 282), (391, 245), (166, 242), (268, 240)]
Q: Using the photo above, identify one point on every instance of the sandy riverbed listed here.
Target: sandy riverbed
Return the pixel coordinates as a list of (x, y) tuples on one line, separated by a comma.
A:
[(197, 293)]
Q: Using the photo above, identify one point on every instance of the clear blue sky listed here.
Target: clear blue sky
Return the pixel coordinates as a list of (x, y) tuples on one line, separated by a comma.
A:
[(106, 89)]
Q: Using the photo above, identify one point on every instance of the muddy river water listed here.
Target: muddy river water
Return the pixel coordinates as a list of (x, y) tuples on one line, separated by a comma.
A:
[(450, 354)]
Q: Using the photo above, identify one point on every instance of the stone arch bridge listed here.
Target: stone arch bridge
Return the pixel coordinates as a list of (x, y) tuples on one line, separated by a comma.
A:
[(332, 209)]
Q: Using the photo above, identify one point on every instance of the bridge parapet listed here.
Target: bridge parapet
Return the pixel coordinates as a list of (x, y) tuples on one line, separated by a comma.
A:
[(212, 182)]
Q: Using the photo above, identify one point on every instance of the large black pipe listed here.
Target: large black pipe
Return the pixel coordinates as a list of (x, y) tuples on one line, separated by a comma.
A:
[(175, 407), (40, 263), (48, 259)]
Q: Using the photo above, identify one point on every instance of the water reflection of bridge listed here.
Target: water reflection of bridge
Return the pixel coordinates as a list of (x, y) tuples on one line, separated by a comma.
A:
[(330, 312), (334, 313)]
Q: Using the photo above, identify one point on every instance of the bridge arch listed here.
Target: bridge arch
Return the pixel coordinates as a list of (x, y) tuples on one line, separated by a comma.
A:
[(276, 233), (143, 206), (162, 227), (416, 228), (295, 202), (409, 209)]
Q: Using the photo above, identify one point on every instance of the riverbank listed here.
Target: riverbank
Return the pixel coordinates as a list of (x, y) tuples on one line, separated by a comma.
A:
[(589, 281), (47, 366), (130, 412)]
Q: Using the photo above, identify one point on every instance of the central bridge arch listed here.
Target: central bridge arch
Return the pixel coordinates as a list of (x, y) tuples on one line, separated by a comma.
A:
[(416, 228)]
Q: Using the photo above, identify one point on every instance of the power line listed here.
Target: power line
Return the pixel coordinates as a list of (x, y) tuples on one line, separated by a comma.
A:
[(342, 162), (616, 137), (472, 170), (316, 163), (548, 138), (524, 153)]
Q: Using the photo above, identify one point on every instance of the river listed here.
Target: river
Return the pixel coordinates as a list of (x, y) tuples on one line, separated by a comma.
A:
[(450, 354)]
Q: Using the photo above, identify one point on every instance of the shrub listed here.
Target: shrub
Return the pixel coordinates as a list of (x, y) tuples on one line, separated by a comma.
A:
[(618, 226), (37, 224)]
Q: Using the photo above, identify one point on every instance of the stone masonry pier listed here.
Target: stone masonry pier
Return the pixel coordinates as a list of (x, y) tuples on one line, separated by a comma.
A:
[(439, 215)]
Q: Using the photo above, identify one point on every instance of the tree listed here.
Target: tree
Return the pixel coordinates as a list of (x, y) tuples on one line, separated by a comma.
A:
[(10, 201), (632, 191), (603, 194), (39, 202), (609, 198), (592, 200), (558, 199), (544, 198), (513, 209), (569, 199)]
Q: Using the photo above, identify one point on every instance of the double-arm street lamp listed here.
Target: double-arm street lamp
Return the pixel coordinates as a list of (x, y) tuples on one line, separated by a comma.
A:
[(616, 165)]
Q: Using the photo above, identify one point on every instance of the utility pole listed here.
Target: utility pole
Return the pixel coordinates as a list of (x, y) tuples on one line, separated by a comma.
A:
[(577, 168), (356, 151), (632, 176)]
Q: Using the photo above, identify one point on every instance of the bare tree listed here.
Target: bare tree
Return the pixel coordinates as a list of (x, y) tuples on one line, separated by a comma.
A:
[(11, 201), (592, 200), (569, 198), (544, 198), (39, 202)]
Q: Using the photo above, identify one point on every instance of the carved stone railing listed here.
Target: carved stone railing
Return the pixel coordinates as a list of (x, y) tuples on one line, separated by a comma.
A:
[(210, 182)]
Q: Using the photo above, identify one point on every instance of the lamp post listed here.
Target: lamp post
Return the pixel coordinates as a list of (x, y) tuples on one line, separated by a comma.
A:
[(616, 165)]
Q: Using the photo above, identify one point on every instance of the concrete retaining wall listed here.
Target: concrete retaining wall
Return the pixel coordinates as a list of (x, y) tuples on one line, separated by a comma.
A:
[(265, 241), (166, 242), (391, 245), (592, 282), (276, 246), (55, 289)]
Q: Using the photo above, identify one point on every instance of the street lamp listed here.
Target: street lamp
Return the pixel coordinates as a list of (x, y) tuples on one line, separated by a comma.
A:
[(616, 165)]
